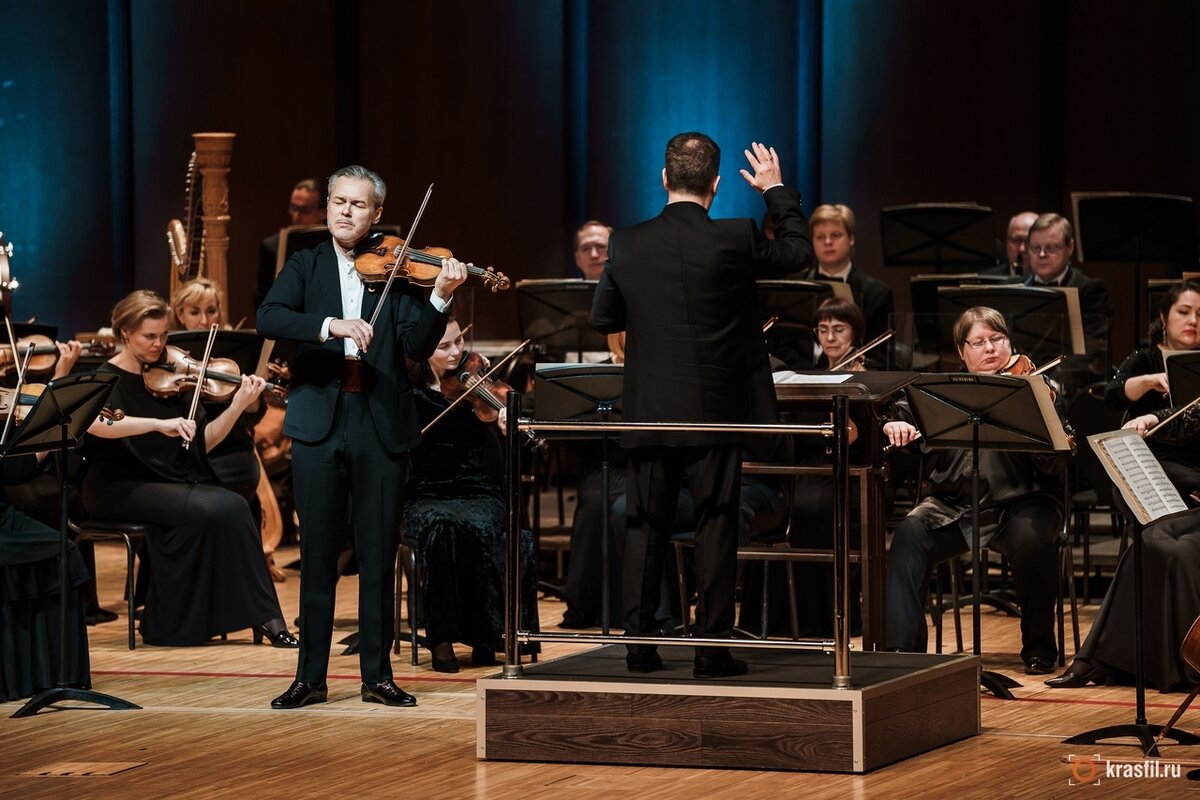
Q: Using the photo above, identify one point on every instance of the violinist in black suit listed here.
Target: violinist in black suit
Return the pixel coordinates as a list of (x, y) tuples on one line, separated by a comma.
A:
[(352, 420), (683, 287)]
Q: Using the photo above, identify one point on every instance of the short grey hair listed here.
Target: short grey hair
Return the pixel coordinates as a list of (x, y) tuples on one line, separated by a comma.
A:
[(378, 187)]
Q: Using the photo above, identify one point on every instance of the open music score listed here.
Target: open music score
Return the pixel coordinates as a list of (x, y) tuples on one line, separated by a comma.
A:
[(1134, 470)]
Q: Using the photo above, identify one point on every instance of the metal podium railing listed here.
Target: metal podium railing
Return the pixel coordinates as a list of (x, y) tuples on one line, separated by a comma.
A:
[(837, 430)]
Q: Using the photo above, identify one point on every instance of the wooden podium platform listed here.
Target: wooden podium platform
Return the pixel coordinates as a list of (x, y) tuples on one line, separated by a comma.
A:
[(783, 715)]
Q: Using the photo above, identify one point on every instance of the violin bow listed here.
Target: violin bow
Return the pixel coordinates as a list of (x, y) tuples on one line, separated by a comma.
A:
[(212, 337), (16, 402), (471, 389), (400, 258), (862, 351)]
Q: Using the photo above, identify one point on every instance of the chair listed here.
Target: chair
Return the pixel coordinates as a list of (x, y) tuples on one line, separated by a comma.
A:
[(408, 562), (126, 532)]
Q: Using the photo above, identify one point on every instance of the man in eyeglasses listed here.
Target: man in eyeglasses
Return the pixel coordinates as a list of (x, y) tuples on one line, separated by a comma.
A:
[(1017, 256), (1051, 245)]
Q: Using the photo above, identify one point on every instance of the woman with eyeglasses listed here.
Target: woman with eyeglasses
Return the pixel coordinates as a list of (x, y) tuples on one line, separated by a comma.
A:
[(1020, 514), (839, 328)]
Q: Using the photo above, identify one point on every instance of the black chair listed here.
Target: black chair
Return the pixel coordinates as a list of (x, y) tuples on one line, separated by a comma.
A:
[(126, 532)]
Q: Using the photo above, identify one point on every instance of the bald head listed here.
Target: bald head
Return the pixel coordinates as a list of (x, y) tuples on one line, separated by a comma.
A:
[(1017, 238)]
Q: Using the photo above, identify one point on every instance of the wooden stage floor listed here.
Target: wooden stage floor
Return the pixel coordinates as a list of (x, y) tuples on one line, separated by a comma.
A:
[(206, 731)]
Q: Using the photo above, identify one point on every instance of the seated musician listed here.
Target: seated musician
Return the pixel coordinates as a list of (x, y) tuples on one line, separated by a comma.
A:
[(840, 325), (454, 508), (29, 573), (1140, 387), (833, 240), (1020, 515), (208, 576)]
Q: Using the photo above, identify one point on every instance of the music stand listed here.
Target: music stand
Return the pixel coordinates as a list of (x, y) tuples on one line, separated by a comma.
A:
[(1183, 375), (924, 292), (585, 393), (1043, 321), (793, 304), (553, 314), (244, 347), (1129, 227), (950, 237), (60, 417), (989, 412)]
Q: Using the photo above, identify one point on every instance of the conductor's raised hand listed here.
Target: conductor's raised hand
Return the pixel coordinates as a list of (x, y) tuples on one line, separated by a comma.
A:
[(765, 163), (356, 329), (453, 275)]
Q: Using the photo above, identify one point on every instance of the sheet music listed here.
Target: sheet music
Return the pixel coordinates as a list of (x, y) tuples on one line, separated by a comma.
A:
[(787, 376), (1136, 472)]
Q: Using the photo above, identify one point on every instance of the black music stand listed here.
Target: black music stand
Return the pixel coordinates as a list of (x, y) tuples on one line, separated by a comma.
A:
[(924, 289), (1183, 376), (1038, 317), (553, 315), (1139, 729), (244, 347), (793, 304), (585, 393), (990, 412), (950, 237), (1127, 227), (59, 418)]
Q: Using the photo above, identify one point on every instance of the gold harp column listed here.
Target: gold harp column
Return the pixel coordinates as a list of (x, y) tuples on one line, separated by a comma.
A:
[(213, 154)]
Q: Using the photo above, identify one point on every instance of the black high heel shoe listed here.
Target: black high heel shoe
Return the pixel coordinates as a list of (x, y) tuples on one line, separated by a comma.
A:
[(283, 638), (1078, 675), (444, 659)]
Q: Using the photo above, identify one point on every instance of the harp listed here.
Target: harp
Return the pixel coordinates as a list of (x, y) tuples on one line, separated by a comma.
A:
[(199, 242)]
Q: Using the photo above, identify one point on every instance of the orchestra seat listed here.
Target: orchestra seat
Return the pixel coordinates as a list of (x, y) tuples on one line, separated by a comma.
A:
[(127, 533)]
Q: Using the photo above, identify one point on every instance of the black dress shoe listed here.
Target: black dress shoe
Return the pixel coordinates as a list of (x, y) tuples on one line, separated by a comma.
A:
[(301, 694), (1079, 674), (283, 638), (643, 662), (388, 693), (724, 666), (1039, 666)]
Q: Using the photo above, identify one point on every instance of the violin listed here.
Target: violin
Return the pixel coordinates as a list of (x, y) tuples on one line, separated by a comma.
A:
[(487, 395), (30, 393), (376, 259), (7, 282), (1019, 364), (45, 353), (177, 372)]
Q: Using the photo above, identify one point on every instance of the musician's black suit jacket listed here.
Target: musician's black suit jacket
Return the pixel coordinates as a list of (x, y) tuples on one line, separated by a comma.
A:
[(305, 293), (683, 285)]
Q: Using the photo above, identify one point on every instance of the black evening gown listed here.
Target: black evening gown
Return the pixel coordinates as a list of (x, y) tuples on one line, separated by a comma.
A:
[(454, 509), (29, 606), (207, 575), (1170, 603)]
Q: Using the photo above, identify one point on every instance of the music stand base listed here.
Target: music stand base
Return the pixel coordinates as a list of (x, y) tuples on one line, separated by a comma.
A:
[(998, 684), (1145, 734), (58, 694)]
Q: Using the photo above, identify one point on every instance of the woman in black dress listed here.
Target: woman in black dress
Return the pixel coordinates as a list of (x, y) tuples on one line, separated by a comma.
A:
[(454, 509), (1140, 387), (208, 576), (1170, 548)]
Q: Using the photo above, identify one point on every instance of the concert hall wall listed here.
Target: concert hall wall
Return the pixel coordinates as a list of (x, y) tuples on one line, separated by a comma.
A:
[(530, 117)]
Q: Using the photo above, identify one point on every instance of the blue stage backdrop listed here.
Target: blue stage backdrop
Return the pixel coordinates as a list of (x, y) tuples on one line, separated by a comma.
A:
[(739, 72)]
